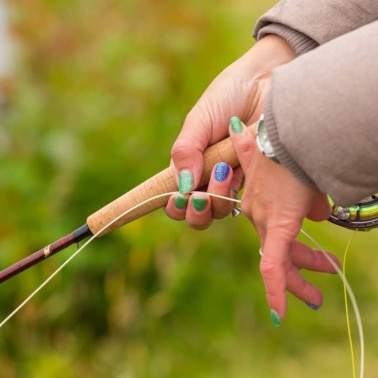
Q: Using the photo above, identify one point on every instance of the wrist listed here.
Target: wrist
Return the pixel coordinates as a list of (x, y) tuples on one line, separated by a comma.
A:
[(299, 42), (274, 51), (279, 149)]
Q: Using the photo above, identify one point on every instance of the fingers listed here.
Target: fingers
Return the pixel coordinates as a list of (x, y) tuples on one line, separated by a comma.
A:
[(276, 270), (223, 182), (198, 215), (188, 163), (243, 142), (196, 209), (302, 289), (187, 151), (304, 257), (273, 267), (176, 206)]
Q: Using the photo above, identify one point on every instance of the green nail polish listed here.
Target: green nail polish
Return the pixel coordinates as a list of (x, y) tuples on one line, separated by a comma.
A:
[(185, 181), (275, 318), (199, 203), (180, 202), (236, 125)]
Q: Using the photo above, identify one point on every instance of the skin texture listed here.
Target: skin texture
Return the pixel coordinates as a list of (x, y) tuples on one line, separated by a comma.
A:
[(240, 90), (274, 200)]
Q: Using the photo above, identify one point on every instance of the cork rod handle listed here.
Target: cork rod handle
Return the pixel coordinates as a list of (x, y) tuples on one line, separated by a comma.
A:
[(162, 182)]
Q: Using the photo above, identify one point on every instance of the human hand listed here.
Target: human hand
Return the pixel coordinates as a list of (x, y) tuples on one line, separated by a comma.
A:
[(239, 90), (276, 202)]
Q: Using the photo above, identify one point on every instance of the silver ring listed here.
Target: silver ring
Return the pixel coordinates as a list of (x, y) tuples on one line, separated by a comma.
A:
[(260, 251)]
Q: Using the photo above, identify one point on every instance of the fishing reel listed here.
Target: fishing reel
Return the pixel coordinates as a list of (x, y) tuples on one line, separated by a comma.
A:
[(362, 216)]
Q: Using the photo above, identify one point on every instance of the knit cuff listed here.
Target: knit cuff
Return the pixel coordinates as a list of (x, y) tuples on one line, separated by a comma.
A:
[(298, 41), (279, 149)]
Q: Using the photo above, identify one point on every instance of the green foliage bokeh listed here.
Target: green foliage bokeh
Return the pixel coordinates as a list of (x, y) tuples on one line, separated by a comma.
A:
[(99, 92)]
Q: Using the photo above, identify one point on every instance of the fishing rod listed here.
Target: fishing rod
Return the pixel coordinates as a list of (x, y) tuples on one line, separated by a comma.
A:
[(162, 182), (362, 216)]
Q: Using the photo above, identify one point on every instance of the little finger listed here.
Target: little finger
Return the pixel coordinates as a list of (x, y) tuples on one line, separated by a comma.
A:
[(302, 289)]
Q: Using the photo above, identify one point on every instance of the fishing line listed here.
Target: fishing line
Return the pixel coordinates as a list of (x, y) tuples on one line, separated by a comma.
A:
[(346, 305), (339, 272), (352, 299), (39, 288)]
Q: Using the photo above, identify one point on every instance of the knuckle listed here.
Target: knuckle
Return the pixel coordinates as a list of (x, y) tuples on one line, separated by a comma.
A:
[(180, 151), (285, 230), (246, 206), (267, 268), (192, 117), (259, 215), (247, 147)]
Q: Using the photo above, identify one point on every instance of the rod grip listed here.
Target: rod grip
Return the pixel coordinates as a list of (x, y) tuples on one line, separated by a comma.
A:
[(162, 182)]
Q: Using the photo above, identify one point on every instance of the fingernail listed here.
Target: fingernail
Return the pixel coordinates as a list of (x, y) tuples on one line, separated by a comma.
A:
[(236, 125), (275, 318), (185, 181), (199, 203), (314, 307), (180, 202), (221, 171)]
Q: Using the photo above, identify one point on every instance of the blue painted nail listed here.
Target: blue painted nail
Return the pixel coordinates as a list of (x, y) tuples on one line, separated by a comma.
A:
[(314, 307), (221, 171)]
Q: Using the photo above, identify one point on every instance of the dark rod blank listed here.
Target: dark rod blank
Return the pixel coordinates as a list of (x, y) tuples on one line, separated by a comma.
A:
[(73, 238)]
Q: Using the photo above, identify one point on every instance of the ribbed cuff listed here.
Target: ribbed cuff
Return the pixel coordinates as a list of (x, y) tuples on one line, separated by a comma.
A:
[(298, 41), (279, 150)]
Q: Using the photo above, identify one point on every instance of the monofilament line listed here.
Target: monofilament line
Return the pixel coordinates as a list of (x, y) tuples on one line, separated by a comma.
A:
[(350, 292), (352, 299), (346, 304), (39, 288)]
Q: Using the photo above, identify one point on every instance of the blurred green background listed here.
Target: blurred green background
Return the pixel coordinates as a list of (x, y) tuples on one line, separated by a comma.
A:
[(98, 94)]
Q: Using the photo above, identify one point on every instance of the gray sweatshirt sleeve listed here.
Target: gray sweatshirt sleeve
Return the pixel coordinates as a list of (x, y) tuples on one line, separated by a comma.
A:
[(322, 115), (306, 24)]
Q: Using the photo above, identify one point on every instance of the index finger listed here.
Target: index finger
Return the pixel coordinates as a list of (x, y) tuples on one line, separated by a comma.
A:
[(199, 132), (274, 263), (187, 154)]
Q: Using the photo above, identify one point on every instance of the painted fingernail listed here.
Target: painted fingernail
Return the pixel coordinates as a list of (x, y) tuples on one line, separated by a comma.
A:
[(221, 171), (199, 204), (314, 307), (236, 125), (275, 318), (180, 202), (185, 181)]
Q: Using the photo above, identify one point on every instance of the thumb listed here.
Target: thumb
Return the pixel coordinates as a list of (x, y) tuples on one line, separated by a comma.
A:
[(187, 153)]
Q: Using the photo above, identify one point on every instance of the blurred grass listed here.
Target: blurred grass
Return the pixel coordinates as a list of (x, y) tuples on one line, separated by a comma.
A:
[(100, 92)]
